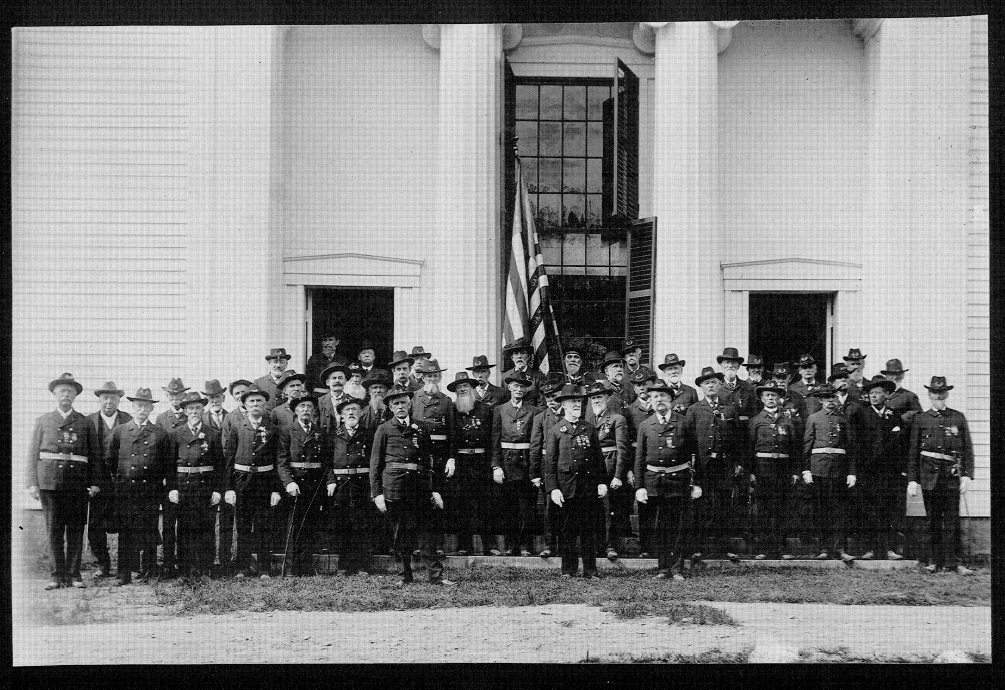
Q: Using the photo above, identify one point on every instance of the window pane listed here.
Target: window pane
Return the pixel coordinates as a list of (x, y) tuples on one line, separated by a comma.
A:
[(575, 139), (619, 253), (594, 210), (551, 248), (575, 175), (551, 102), (575, 102), (573, 204), (530, 173), (548, 209), (551, 138), (595, 139), (596, 252), (550, 174), (597, 96), (527, 142), (595, 175), (599, 271), (526, 102), (575, 249)]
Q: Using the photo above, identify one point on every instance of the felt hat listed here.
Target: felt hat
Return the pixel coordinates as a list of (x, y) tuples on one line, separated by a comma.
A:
[(238, 382), (278, 353), (193, 397), (893, 366), (176, 386), (708, 373), (838, 371), (377, 376), (597, 388), (670, 360), (806, 361), (754, 362), (729, 353), (569, 391), (630, 345), (302, 396), (398, 357), (854, 355), (515, 376), (213, 387), (429, 366), (290, 376), (878, 380), (825, 391), (612, 357), (780, 370), (553, 382), (641, 375), (769, 388), (417, 352), (142, 395), (480, 362), (348, 401), (109, 387), (365, 345), (331, 369), (939, 385), (397, 392), (520, 344), (459, 378), (659, 386), (254, 390)]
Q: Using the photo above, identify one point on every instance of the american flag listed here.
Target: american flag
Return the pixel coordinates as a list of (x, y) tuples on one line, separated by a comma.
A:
[(528, 309)]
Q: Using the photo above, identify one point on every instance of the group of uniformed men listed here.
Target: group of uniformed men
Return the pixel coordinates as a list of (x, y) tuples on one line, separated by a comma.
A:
[(367, 453)]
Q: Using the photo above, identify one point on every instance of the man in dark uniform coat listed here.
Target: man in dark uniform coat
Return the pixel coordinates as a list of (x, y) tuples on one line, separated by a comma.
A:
[(278, 360), (512, 424), (663, 475), (711, 434), (375, 412), (900, 400), (631, 353), (104, 420), (682, 396), (139, 463), (225, 550), (487, 392), (404, 486), (755, 371), (547, 417), (400, 367), (807, 383), (737, 392), (174, 417), (940, 461), (354, 517), (215, 414), (612, 432), (419, 358), (251, 449), (777, 448), (855, 362), (636, 413), (320, 361), (469, 472), (575, 479), (520, 354), (431, 408), (613, 369), (882, 464), (195, 486), (65, 468), (169, 420), (302, 471), (334, 377), (291, 385), (829, 465)]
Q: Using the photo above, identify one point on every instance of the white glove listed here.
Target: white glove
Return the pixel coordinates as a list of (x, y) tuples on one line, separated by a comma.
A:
[(641, 495), (912, 488), (601, 490), (695, 491), (851, 480), (437, 500), (293, 489), (380, 503), (275, 498), (964, 483), (331, 489), (615, 483), (230, 497), (215, 498), (497, 475), (93, 491), (631, 477), (737, 470), (450, 467), (536, 481), (807, 477), (795, 479), (33, 491), (173, 495), (557, 498)]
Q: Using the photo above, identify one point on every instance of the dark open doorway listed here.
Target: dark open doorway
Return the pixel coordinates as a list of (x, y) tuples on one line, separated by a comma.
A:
[(784, 326), (355, 315)]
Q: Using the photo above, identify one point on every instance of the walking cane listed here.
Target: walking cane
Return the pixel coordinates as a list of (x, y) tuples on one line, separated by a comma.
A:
[(289, 533)]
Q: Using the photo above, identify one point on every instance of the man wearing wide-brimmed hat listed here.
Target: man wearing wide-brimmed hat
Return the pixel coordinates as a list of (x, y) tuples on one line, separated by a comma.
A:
[(900, 400), (519, 356), (612, 432), (196, 486), (635, 414), (855, 363), (683, 396), (291, 386), (65, 468), (755, 370), (468, 487), (335, 378), (404, 486), (419, 358), (486, 391), (139, 463), (431, 407), (278, 360), (940, 462), (572, 363), (575, 480), (548, 416), (320, 361), (807, 383), (734, 389), (170, 419), (353, 517), (375, 412), (104, 420), (173, 417), (613, 369), (215, 414)]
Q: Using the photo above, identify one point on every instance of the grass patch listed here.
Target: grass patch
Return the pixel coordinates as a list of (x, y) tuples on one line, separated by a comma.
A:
[(841, 655), (711, 656)]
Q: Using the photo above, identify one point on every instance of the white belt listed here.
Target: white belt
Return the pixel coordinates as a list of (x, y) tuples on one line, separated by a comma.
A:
[(666, 470), (306, 465), (514, 446), (253, 468), (772, 455), (635, 444), (352, 470), (437, 437), (713, 455), (413, 466), (939, 456), (832, 451), (195, 470), (471, 451), (44, 455), (743, 418)]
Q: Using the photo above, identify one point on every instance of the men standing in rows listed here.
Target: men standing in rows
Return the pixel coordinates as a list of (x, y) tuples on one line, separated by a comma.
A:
[(354, 517), (612, 434), (521, 355), (278, 360), (320, 361), (900, 400), (573, 363), (487, 392), (419, 358), (65, 468), (300, 464), (663, 477), (251, 450), (613, 368), (631, 352), (469, 486), (404, 486), (431, 408), (940, 462), (375, 412), (829, 466), (547, 417), (882, 439), (807, 383), (195, 486), (512, 425), (139, 463), (682, 396), (215, 414), (635, 414), (777, 464), (291, 385), (755, 372), (855, 362), (225, 550), (104, 420), (574, 477), (173, 417), (334, 377)]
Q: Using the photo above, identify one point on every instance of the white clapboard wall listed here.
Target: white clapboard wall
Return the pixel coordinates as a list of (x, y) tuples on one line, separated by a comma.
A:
[(100, 135)]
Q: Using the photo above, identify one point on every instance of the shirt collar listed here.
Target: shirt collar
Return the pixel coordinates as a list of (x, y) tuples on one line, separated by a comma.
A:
[(406, 422), (66, 414), (195, 429), (515, 404)]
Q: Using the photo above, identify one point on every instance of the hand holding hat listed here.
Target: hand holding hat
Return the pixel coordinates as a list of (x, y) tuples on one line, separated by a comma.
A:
[(601, 490), (274, 499), (497, 475), (851, 481), (380, 503), (214, 499), (807, 477), (230, 497), (641, 495)]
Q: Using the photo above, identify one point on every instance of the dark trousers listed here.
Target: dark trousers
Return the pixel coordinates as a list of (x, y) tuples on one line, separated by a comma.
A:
[(517, 503), (878, 503), (97, 538), (470, 499), (801, 510), (196, 538), (712, 518), (647, 523), (252, 515), (942, 506), (353, 517), (65, 516), (580, 519), (128, 554), (552, 522), (411, 522), (771, 492), (170, 536), (828, 503), (671, 536), (225, 550)]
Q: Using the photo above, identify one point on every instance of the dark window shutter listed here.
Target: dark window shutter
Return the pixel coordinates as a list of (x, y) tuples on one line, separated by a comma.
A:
[(509, 152), (640, 292), (626, 125)]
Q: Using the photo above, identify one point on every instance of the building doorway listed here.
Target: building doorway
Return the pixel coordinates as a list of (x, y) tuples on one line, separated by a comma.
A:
[(355, 315), (785, 325)]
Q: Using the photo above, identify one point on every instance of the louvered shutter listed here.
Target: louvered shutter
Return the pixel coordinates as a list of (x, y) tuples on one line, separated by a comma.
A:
[(621, 148), (640, 294)]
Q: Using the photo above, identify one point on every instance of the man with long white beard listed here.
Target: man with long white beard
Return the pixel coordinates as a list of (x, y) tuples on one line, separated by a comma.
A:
[(573, 362), (575, 479), (512, 424), (739, 393), (543, 421), (682, 396), (431, 407), (612, 432), (335, 378), (375, 412), (468, 486), (613, 368), (353, 514), (301, 468), (521, 356), (419, 359), (755, 369), (635, 414), (485, 390), (354, 385)]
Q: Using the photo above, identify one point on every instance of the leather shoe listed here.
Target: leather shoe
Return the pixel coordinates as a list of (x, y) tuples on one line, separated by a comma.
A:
[(567, 576), (678, 577), (264, 576), (121, 582), (931, 567), (867, 556), (846, 557), (893, 556), (545, 554), (822, 556), (462, 552), (661, 575), (52, 584), (612, 555), (760, 557), (733, 557), (963, 570), (643, 554), (524, 553), (494, 552), (594, 576), (787, 557), (444, 583), (78, 584)]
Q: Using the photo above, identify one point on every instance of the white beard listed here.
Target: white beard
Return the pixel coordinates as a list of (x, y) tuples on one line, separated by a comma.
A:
[(599, 409), (465, 403), (377, 403), (355, 390), (431, 387)]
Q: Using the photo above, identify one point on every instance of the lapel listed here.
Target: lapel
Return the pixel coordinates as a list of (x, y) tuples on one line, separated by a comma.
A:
[(136, 431), (70, 418)]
